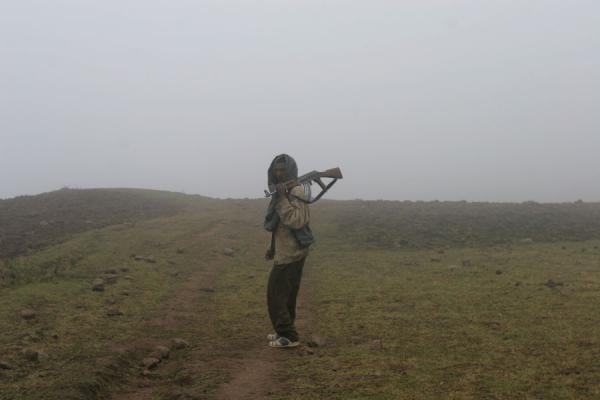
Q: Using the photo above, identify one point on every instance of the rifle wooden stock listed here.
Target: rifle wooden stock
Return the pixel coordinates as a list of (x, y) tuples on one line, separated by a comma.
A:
[(334, 173)]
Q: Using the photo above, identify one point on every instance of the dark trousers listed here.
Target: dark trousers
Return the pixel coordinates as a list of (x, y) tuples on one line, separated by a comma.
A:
[(284, 284)]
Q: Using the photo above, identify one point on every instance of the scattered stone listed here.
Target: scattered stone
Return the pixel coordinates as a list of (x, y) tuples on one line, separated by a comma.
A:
[(125, 293), (128, 278), (316, 341), (377, 344), (453, 267), (435, 259), (114, 312), (527, 240), (150, 362), (98, 285), (251, 276), (30, 355), (42, 356), (180, 250), (124, 269), (111, 301), (335, 365), (498, 272), (228, 251), (149, 374), (551, 284), (179, 344), (110, 278), (307, 351), (34, 355), (149, 259), (517, 284), (467, 263), (55, 336), (162, 352), (44, 223), (356, 339), (111, 271), (28, 314), (5, 365)]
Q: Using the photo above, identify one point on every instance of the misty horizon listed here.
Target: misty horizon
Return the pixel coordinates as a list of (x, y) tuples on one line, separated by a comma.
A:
[(493, 102)]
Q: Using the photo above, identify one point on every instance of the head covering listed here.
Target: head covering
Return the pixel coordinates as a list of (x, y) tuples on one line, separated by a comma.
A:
[(291, 169)]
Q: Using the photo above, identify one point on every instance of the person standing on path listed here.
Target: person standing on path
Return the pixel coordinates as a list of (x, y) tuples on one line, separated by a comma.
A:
[(287, 219)]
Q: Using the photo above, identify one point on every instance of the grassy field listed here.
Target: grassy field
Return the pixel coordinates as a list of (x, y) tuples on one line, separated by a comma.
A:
[(510, 320), (420, 325)]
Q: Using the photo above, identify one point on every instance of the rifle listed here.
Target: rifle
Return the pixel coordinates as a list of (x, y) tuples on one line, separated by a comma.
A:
[(307, 180)]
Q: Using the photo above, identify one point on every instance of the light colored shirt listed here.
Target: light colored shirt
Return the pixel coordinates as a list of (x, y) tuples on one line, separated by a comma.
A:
[(294, 214)]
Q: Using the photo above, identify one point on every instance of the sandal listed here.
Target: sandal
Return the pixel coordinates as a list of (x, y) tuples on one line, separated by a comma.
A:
[(283, 342)]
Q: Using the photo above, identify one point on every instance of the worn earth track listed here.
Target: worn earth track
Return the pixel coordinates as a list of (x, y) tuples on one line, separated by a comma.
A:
[(252, 368), (254, 376), (180, 310)]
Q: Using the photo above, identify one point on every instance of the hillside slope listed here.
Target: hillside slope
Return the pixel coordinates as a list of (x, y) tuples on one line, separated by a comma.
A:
[(431, 317)]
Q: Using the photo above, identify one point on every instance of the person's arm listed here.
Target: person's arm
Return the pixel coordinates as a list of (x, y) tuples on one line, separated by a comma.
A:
[(293, 212)]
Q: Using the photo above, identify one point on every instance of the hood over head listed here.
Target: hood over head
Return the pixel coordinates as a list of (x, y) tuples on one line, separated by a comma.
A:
[(291, 168)]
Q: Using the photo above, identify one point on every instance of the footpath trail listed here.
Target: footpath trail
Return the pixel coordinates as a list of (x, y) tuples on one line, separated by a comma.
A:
[(254, 375), (179, 311), (221, 312)]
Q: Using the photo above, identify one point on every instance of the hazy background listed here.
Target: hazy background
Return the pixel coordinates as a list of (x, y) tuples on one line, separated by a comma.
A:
[(448, 100)]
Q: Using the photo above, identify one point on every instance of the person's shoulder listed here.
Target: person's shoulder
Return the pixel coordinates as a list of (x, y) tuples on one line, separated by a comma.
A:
[(298, 191)]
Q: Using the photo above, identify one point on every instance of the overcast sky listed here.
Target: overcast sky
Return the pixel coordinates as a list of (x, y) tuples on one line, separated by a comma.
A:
[(418, 100)]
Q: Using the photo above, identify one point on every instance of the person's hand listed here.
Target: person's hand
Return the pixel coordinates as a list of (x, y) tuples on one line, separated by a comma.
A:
[(280, 188), (269, 255)]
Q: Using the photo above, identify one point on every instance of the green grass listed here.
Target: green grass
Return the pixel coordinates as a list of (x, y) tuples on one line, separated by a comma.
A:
[(492, 329), (72, 325), (450, 331)]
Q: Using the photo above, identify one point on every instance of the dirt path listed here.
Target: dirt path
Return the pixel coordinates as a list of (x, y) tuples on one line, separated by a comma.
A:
[(179, 310), (254, 376), (253, 370)]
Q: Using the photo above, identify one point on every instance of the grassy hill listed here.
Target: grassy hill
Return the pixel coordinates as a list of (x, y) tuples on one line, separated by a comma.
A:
[(28, 223), (399, 300)]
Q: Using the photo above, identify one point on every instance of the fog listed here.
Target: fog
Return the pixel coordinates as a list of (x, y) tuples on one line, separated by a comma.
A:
[(415, 100)]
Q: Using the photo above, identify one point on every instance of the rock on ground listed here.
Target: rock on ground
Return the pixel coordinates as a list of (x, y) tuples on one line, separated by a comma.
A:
[(377, 344), (5, 365), (162, 352), (34, 355), (98, 285), (150, 362), (149, 259), (179, 343), (316, 341), (110, 278), (28, 314)]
